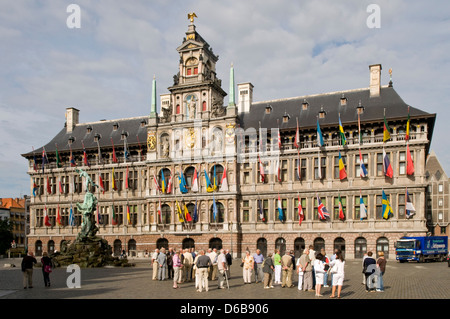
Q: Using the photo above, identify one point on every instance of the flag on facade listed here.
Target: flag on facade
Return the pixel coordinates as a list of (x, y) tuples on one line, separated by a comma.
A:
[(342, 172), (114, 216), (362, 170), (60, 186), (126, 155), (114, 152), (387, 168), (280, 209), (321, 210), (214, 209), (297, 137), (163, 182), (187, 216), (386, 131), (320, 142), (362, 208), (407, 127), (71, 216), (46, 218), (261, 170), (72, 159), (126, 178), (279, 170), (100, 182), (341, 210), (182, 183), (34, 187), (387, 210), (128, 215), (279, 139), (301, 216), (209, 186), (180, 214), (224, 181), (169, 186), (58, 160), (410, 209), (261, 211), (195, 215), (58, 217), (113, 180), (215, 179), (49, 188), (100, 158), (409, 162), (44, 160), (159, 211), (194, 186), (359, 130), (156, 183), (341, 132), (85, 157)]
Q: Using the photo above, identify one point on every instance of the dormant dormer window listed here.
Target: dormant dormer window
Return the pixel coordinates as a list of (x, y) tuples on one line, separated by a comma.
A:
[(143, 123), (89, 129), (71, 140), (286, 117), (305, 105), (115, 126), (322, 113), (97, 137), (268, 109), (360, 108), (343, 100)]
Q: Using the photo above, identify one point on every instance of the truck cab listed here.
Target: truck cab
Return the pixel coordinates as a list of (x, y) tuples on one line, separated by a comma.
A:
[(421, 248)]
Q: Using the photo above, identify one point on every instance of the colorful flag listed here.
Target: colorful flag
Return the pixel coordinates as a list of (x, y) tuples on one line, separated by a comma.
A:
[(215, 179), (342, 172), (113, 180), (46, 218), (34, 187), (180, 214), (279, 170), (169, 186), (279, 139), (187, 216), (410, 209), (320, 142), (224, 181), (71, 216), (114, 152), (341, 210), (362, 171), (125, 150), (261, 211), (409, 162), (114, 216), (126, 179), (72, 159), (362, 208), (60, 186), (386, 131), (280, 209), (387, 168), (128, 215), (163, 182), (49, 188), (209, 187), (182, 184), (85, 157), (301, 216), (100, 182), (156, 184), (214, 209), (261, 169), (407, 127), (159, 211), (58, 218), (342, 133), (44, 160), (195, 215), (297, 137), (58, 160), (387, 210), (299, 167), (194, 187), (321, 210)]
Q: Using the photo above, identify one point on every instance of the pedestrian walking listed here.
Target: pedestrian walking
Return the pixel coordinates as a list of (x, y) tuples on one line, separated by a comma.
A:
[(286, 271), (277, 263), (337, 271), (248, 267), (162, 264), (177, 266), (306, 266), (46, 262), (229, 262), (221, 268), (369, 268), (203, 263), (381, 268), (258, 258), (27, 268), (319, 269), (155, 264), (268, 270)]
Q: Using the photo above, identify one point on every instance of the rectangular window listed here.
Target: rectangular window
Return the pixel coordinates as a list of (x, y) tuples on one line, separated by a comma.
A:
[(246, 178), (323, 168), (302, 169), (336, 206), (316, 206), (77, 184), (379, 206), (265, 205), (195, 70), (358, 206), (380, 171), (336, 165), (402, 163), (189, 71), (401, 206), (105, 179), (284, 171), (104, 214), (441, 187), (303, 203), (245, 211)]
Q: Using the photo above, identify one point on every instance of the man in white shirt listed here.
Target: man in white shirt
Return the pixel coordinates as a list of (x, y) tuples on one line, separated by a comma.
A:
[(222, 268), (213, 256), (188, 261), (155, 264)]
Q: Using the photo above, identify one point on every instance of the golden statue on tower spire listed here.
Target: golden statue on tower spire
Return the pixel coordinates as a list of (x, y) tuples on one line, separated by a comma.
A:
[(191, 16)]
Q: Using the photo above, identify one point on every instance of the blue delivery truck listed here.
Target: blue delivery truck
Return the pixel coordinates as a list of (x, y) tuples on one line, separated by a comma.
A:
[(421, 248)]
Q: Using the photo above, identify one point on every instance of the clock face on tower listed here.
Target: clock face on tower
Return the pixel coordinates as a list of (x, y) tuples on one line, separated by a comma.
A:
[(191, 106)]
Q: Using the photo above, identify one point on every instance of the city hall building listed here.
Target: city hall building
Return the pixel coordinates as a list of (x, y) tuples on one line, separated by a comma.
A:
[(217, 169)]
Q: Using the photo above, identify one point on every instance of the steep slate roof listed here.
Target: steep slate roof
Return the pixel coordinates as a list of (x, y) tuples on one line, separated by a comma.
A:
[(105, 128), (374, 108)]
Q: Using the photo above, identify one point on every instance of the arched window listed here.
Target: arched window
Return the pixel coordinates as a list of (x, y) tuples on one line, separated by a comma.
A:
[(166, 214), (188, 243), (218, 216), (261, 244), (215, 243), (117, 247), (339, 243), (162, 243), (51, 247), (191, 209), (189, 174), (360, 247), (280, 244), (204, 106), (319, 243), (218, 175), (299, 247), (166, 172), (131, 244), (38, 248), (383, 245), (178, 109)]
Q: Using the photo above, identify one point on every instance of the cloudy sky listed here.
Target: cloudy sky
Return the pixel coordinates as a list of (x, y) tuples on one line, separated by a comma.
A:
[(285, 48)]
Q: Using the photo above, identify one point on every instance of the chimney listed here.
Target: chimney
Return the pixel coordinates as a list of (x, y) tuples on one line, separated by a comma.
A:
[(245, 91), (375, 80), (72, 118)]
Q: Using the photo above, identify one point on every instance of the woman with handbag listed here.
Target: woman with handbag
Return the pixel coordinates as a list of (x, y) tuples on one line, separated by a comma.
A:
[(46, 268), (337, 271)]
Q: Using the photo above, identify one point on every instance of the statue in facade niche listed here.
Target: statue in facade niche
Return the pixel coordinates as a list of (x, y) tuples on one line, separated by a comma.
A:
[(166, 148)]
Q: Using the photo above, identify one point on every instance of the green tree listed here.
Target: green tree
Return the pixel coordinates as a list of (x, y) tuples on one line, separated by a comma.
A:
[(6, 236)]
